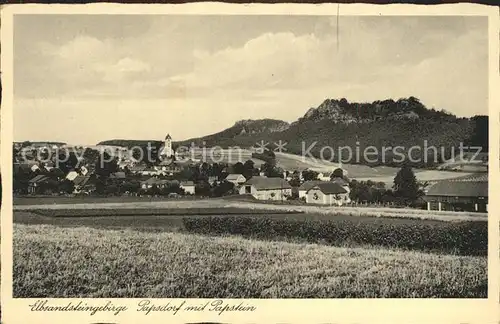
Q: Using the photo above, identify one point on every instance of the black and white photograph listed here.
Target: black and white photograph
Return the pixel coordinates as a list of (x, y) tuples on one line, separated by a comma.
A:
[(250, 156)]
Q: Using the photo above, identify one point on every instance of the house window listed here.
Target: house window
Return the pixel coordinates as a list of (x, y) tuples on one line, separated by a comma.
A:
[(315, 196), (248, 189)]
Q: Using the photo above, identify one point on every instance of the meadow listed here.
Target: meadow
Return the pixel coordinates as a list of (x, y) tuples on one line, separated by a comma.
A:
[(55, 261), (231, 202)]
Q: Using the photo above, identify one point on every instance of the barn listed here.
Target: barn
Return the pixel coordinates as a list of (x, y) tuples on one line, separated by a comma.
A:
[(461, 194)]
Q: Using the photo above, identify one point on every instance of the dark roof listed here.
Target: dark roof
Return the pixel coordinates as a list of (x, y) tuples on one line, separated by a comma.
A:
[(329, 188), (476, 177), (309, 184), (263, 183), (157, 181), (449, 188), (137, 168), (168, 136), (118, 175), (39, 178), (81, 180)]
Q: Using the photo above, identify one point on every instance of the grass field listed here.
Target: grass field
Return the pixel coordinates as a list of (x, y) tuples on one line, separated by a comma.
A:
[(78, 203), (52, 261), (172, 219)]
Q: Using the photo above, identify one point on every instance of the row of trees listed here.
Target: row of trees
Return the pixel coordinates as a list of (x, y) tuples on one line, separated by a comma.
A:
[(406, 190)]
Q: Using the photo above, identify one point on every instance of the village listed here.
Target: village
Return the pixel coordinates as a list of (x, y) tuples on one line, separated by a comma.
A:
[(86, 172)]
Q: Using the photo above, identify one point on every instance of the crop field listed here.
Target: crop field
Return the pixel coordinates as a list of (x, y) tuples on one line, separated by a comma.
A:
[(466, 238), (53, 261)]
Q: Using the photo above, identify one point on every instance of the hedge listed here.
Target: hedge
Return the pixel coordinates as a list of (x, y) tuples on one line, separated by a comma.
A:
[(461, 238)]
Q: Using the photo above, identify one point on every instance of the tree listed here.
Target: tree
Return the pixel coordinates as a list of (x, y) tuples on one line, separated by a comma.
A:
[(67, 161), (309, 175), (90, 155), (405, 185), (106, 165), (224, 188), (66, 186), (238, 168), (202, 188), (337, 173), (248, 169), (271, 171)]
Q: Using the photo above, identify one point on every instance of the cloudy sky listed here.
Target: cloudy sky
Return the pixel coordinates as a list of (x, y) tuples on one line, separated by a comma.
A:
[(86, 78)]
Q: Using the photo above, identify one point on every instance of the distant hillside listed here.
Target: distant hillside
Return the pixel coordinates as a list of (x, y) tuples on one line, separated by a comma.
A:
[(335, 123), (40, 143), (241, 129), (130, 143), (406, 122)]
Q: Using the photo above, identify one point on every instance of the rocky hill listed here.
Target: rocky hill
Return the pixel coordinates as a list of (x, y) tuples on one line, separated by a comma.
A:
[(338, 123)]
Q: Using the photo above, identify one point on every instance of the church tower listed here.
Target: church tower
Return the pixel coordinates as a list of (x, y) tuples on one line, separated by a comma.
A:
[(167, 149)]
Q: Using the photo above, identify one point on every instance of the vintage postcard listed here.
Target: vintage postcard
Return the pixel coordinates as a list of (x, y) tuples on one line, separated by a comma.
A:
[(234, 163)]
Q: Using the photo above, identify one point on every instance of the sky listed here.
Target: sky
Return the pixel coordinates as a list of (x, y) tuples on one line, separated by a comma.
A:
[(82, 79)]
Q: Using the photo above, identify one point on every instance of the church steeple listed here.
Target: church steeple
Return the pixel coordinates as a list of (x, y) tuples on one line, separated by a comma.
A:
[(167, 148)]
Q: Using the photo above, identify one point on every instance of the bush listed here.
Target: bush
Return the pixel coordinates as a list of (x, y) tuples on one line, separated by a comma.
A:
[(463, 238)]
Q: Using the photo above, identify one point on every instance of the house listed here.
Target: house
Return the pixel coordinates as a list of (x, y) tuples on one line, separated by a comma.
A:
[(151, 172), (49, 165), (84, 170), (159, 183), (213, 179), (306, 186), (328, 193), (80, 182), (462, 194), (235, 178), (324, 176), (36, 183), (264, 188), (120, 175), (137, 169), (343, 183), (34, 167), (188, 187), (72, 175), (169, 168)]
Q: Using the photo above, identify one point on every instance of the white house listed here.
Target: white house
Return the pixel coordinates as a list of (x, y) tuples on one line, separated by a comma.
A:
[(324, 176), (264, 188), (188, 187), (306, 186), (236, 178), (328, 193), (35, 167), (84, 170), (71, 175)]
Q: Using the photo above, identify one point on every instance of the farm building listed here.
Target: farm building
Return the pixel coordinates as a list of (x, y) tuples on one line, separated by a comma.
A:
[(462, 194), (188, 187), (236, 179), (264, 188), (83, 184), (149, 183), (324, 176), (328, 193), (118, 175), (306, 186), (71, 176), (36, 183)]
